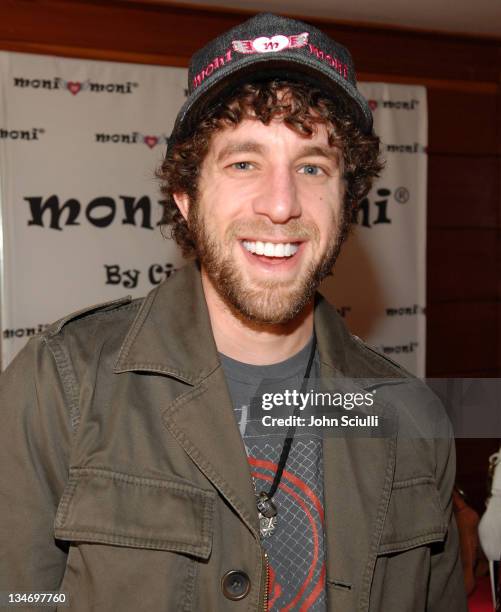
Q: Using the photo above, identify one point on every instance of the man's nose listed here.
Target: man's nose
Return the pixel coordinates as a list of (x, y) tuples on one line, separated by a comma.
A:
[(278, 199)]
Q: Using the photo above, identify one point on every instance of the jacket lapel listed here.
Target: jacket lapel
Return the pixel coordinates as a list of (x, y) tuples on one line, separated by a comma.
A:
[(172, 335), (203, 422), (358, 476)]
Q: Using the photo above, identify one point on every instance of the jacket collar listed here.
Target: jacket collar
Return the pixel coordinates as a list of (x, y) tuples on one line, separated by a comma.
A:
[(172, 333)]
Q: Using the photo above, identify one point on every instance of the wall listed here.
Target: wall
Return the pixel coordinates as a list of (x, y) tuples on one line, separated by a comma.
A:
[(463, 76)]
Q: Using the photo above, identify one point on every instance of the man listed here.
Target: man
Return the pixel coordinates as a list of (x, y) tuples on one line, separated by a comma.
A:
[(135, 477)]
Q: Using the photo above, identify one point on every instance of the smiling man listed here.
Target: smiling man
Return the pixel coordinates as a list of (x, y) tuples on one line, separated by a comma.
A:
[(133, 474), (267, 226)]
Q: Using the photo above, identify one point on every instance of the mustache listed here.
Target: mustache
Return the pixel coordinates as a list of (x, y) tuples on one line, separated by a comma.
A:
[(299, 230)]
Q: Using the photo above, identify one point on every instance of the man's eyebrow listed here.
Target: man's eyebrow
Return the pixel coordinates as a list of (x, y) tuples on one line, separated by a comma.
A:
[(248, 146), (316, 150)]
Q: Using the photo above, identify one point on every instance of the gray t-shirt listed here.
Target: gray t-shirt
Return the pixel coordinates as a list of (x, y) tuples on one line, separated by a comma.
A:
[(295, 549)]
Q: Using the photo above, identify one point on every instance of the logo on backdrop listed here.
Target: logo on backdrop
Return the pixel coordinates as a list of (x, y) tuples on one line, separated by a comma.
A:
[(398, 349), (100, 212), (75, 87), (24, 332), (415, 147), (393, 104), (376, 211), (405, 311), (22, 134), (133, 138), (129, 277)]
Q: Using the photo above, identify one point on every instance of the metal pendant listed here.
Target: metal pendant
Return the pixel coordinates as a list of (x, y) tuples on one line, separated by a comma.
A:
[(266, 525), (267, 514)]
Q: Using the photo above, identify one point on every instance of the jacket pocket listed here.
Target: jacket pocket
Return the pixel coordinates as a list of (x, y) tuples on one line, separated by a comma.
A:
[(108, 507), (415, 516)]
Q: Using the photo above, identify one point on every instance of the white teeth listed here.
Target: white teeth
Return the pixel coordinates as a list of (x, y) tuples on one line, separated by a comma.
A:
[(279, 250), (271, 249)]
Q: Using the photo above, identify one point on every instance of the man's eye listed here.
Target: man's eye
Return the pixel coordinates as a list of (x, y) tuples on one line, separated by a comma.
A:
[(311, 170), (242, 165)]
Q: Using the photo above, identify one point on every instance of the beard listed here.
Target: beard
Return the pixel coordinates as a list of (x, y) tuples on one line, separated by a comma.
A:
[(271, 301)]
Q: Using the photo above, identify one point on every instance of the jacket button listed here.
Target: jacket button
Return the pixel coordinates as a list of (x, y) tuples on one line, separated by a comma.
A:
[(235, 584)]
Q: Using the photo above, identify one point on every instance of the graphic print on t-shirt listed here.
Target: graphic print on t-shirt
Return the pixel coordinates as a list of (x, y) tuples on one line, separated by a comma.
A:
[(295, 549)]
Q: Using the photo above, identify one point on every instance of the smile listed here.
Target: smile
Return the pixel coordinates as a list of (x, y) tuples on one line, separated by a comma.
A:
[(271, 249)]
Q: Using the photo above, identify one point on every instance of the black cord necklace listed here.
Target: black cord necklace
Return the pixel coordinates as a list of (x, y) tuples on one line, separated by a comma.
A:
[(266, 508)]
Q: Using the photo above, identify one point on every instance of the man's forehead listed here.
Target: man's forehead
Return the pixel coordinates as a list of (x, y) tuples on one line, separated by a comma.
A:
[(253, 136)]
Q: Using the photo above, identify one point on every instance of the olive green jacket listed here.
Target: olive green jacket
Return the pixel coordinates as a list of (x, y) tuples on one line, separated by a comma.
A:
[(125, 484)]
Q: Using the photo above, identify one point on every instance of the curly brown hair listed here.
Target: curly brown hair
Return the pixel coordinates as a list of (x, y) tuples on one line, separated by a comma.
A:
[(301, 107)]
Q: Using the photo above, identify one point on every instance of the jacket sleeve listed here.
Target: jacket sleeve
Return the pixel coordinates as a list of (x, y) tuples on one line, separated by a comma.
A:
[(35, 438), (446, 586)]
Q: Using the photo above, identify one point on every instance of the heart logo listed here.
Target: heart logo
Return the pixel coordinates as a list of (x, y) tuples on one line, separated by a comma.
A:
[(74, 87), (373, 104), (263, 44), (151, 141)]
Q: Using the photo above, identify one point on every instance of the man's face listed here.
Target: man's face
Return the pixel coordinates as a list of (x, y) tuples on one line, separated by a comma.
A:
[(268, 220)]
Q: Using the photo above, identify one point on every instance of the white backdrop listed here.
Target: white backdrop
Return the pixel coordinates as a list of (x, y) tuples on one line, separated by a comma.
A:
[(79, 142)]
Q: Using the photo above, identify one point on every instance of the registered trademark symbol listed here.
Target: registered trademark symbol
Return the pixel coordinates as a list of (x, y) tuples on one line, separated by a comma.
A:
[(41, 130), (402, 195)]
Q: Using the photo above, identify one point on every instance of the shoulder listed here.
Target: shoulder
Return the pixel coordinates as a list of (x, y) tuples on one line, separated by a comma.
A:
[(87, 330), (107, 317), (347, 352), (375, 363), (90, 338), (112, 311), (424, 428), (419, 411), (424, 432)]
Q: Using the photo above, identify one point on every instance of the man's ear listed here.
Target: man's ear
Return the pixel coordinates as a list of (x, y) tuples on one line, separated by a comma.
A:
[(183, 203)]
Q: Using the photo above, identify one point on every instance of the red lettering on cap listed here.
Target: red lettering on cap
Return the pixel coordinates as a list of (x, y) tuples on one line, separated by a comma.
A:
[(215, 64), (333, 62)]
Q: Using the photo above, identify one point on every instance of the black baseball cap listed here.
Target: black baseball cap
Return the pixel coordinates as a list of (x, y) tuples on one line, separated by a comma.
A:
[(269, 46)]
